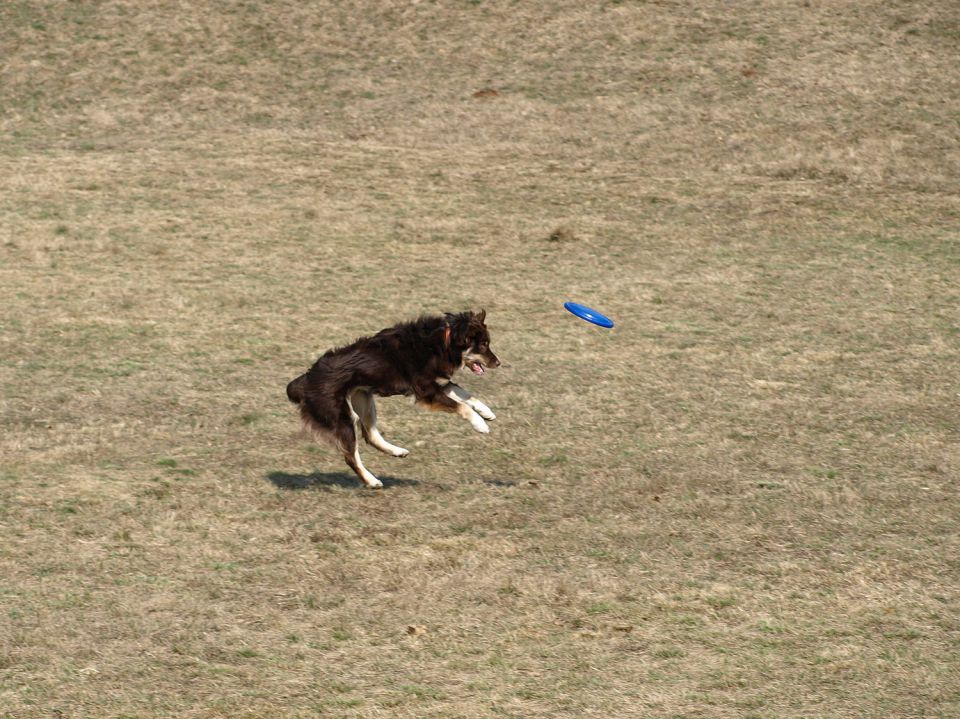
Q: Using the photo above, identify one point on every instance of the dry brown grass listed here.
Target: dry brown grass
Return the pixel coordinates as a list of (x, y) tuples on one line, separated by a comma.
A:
[(739, 503)]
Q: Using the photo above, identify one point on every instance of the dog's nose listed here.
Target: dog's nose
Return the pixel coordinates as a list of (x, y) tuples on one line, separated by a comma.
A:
[(496, 362)]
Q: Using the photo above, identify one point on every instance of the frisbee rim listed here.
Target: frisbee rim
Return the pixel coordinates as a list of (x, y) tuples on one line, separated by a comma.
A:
[(588, 314)]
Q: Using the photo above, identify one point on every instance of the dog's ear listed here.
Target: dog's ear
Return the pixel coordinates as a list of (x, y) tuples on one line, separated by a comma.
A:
[(481, 316)]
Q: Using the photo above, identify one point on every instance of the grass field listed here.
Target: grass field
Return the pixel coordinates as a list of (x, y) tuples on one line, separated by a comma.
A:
[(739, 503)]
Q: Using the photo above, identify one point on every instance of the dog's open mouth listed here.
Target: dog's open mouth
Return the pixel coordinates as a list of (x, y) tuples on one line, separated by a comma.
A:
[(475, 367)]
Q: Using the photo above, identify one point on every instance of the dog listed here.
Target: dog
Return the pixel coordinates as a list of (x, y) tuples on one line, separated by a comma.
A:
[(418, 358)]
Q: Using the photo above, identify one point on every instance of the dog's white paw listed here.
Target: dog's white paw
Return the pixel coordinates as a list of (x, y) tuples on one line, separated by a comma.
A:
[(399, 452), (372, 483), (478, 424), (484, 411)]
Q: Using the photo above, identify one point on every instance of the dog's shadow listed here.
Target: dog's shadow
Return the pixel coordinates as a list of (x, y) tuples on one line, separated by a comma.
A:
[(326, 480)]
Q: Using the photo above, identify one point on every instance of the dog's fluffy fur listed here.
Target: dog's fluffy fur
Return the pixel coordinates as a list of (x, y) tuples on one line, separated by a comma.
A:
[(336, 396)]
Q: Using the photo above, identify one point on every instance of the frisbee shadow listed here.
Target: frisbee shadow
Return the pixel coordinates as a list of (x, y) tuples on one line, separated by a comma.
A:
[(287, 480), (501, 482)]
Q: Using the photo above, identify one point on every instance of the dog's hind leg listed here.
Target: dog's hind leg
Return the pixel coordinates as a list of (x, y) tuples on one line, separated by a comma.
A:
[(460, 395), (347, 440), (363, 404)]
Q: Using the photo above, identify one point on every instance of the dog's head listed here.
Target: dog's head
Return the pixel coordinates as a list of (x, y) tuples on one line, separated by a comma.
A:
[(470, 337)]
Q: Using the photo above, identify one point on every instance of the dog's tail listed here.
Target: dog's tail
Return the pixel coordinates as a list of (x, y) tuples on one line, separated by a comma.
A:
[(295, 389)]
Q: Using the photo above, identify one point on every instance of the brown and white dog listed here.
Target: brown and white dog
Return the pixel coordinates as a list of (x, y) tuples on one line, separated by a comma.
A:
[(411, 358)]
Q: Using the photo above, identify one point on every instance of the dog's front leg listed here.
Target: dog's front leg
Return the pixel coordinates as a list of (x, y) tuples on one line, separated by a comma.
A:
[(460, 395), (438, 400)]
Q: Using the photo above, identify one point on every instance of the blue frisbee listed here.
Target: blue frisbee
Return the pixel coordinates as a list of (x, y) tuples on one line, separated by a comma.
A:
[(590, 315)]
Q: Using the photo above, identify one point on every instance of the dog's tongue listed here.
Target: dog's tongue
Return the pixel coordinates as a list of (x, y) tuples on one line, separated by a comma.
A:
[(477, 368)]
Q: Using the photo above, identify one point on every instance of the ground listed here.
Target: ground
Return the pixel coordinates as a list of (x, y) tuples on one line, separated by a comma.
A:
[(740, 502)]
